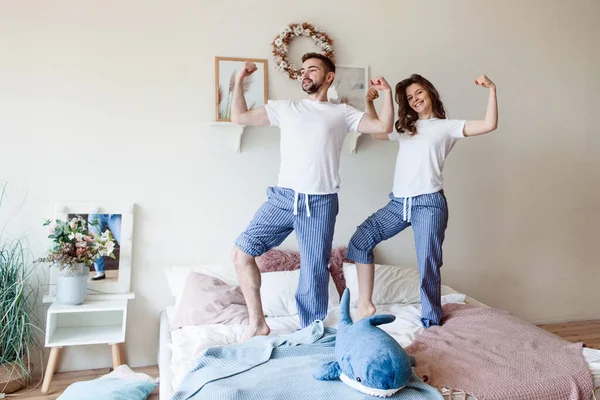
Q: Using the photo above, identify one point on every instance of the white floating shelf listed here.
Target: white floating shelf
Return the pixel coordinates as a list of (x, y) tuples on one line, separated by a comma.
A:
[(353, 138), (237, 130)]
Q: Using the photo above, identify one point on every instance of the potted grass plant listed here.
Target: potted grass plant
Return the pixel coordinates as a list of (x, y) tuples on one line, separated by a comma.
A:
[(19, 324)]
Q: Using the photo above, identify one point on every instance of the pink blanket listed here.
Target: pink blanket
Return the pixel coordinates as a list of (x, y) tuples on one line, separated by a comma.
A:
[(490, 354)]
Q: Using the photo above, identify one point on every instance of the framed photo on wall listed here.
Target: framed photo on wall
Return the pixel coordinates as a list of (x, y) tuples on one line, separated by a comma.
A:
[(350, 86), (255, 86)]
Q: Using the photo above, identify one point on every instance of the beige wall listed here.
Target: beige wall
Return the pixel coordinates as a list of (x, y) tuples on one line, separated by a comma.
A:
[(111, 100)]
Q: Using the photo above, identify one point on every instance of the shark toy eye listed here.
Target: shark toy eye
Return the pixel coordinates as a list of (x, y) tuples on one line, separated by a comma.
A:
[(358, 379)]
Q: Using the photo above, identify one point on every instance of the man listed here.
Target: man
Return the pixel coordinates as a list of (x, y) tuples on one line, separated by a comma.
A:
[(305, 198)]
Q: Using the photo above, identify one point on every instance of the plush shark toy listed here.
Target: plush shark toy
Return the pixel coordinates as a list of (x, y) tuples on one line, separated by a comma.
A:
[(366, 357)]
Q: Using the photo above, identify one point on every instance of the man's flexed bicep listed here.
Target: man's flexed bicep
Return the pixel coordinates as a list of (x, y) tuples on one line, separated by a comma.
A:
[(239, 110), (255, 117)]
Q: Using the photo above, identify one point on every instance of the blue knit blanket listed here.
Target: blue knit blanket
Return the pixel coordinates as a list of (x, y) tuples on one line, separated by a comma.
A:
[(278, 368)]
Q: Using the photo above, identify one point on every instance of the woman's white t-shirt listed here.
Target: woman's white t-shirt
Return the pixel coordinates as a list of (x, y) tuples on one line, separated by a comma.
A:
[(421, 157), (312, 136)]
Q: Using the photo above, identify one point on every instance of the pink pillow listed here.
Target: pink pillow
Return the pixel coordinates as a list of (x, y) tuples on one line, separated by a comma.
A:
[(336, 268), (278, 260), (289, 260), (207, 300)]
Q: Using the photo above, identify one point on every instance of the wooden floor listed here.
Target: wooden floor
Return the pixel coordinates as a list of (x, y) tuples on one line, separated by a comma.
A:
[(63, 379), (587, 332)]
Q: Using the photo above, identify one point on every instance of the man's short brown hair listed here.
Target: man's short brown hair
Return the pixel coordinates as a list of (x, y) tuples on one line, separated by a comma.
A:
[(327, 63)]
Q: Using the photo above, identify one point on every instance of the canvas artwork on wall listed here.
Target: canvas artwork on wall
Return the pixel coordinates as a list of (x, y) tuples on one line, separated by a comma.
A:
[(349, 86), (254, 88)]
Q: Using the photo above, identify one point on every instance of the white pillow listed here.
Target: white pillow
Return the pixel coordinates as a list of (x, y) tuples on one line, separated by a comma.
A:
[(392, 284), (278, 293)]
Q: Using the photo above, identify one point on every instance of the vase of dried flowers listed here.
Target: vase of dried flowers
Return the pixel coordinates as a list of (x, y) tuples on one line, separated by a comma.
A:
[(75, 249)]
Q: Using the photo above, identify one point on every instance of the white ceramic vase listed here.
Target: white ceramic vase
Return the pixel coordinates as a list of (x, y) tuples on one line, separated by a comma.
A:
[(72, 285)]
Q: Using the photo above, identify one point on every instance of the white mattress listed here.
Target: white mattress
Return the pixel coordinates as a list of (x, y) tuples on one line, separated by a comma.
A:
[(180, 348)]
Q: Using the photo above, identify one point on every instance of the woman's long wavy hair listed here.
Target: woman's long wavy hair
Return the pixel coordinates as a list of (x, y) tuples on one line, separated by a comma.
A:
[(407, 117)]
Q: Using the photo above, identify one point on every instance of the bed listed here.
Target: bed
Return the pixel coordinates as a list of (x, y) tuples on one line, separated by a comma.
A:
[(396, 286)]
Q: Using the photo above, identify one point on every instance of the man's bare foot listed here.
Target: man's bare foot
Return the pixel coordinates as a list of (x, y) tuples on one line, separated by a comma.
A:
[(256, 330), (365, 311)]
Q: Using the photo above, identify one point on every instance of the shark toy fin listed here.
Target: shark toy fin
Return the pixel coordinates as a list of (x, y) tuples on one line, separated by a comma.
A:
[(328, 372), (345, 308), (381, 319)]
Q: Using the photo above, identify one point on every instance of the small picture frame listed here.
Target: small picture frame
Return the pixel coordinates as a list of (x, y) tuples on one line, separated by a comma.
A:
[(255, 86), (350, 86)]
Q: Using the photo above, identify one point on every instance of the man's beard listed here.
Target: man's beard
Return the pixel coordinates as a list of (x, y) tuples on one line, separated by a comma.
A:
[(312, 88)]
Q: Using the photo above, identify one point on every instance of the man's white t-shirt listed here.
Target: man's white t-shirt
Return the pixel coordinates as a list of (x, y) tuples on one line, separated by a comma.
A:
[(421, 157), (312, 136)]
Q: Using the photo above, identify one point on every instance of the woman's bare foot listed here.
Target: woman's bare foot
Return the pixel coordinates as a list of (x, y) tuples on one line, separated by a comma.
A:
[(261, 329), (365, 310)]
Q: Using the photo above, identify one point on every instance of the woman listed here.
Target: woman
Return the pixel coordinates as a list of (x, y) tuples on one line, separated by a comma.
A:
[(425, 139)]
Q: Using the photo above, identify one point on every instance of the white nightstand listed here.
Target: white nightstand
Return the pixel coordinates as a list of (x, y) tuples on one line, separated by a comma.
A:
[(93, 322), (102, 317)]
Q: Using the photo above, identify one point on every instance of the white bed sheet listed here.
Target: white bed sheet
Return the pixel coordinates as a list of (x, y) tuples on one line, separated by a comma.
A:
[(180, 348)]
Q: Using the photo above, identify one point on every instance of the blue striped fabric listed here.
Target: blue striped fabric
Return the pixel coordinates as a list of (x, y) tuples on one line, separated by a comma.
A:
[(279, 368), (314, 226), (428, 215)]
